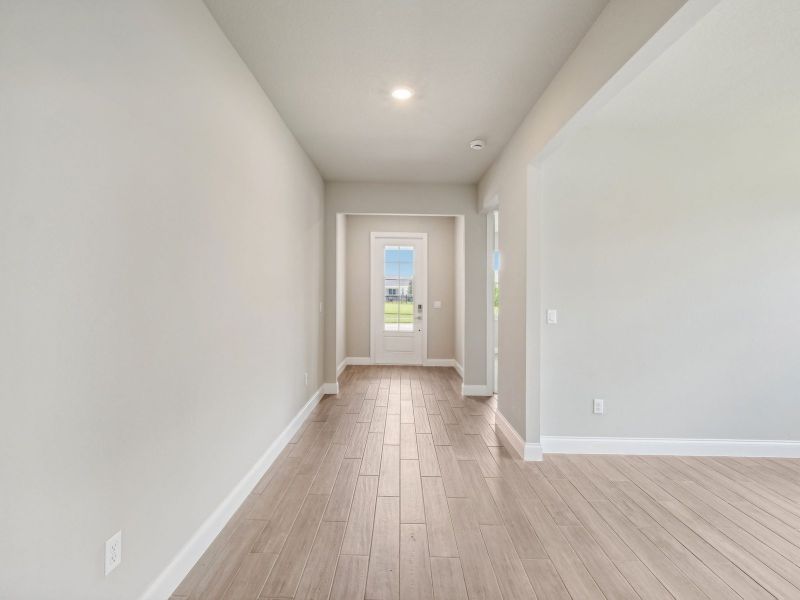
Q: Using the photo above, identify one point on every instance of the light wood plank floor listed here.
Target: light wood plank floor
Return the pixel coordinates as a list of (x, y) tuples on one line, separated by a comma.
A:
[(399, 488)]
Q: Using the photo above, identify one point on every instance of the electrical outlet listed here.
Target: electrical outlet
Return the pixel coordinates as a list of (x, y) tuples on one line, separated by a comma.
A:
[(598, 407), (306, 378), (113, 552)]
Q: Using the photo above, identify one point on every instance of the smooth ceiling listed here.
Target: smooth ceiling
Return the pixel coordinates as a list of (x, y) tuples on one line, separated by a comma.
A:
[(477, 67), (737, 68)]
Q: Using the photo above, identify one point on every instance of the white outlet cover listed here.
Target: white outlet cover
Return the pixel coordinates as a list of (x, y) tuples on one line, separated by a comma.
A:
[(437, 304), (598, 406), (113, 552)]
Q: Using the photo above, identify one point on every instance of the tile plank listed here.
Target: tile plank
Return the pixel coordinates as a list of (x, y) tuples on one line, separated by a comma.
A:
[(285, 575), (315, 583), (478, 573), (358, 534), (383, 575), (441, 540), (415, 567), (350, 579), (448, 579), (342, 495)]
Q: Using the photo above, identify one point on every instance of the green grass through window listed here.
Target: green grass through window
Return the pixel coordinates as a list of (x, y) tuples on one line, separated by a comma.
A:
[(398, 312)]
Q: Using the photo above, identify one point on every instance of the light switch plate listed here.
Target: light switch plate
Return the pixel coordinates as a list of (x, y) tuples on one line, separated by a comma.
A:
[(598, 406), (437, 304), (552, 316)]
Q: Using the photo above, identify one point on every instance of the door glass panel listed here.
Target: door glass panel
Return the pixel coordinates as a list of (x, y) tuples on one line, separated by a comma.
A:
[(398, 285), (391, 269)]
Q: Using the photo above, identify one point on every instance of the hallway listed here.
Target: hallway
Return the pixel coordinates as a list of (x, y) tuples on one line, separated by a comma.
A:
[(571, 227), (399, 488)]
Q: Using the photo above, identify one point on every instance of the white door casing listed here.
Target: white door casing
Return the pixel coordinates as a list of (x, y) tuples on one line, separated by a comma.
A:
[(398, 342)]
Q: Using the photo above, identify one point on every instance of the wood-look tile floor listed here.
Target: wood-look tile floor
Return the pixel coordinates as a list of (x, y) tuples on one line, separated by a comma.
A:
[(399, 488)]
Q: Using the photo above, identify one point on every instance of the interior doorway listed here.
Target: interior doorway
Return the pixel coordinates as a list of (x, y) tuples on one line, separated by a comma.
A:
[(398, 283)]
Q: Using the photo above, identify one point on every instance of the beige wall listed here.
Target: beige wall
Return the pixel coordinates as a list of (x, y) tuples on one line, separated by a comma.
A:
[(441, 279), (673, 257), (458, 282), (160, 280), (673, 263), (619, 32), (341, 289), (419, 199)]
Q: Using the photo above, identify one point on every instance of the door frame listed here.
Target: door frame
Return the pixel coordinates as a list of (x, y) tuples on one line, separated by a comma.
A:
[(492, 332), (420, 296)]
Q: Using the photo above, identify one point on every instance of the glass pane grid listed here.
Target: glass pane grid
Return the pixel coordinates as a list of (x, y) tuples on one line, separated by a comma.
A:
[(398, 272)]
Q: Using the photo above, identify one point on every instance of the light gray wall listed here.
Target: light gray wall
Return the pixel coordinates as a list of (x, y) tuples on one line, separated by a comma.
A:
[(160, 279), (620, 30), (673, 261), (418, 199), (441, 265), (458, 283), (341, 289)]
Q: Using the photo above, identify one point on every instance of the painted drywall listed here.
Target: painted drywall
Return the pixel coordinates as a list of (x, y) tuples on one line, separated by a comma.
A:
[(160, 279), (341, 291), (441, 279), (619, 32), (458, 288), (416, 199), (673, 262), (672, 258)]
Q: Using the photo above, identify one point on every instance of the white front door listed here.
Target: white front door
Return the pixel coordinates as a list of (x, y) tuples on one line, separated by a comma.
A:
[(398, 298)]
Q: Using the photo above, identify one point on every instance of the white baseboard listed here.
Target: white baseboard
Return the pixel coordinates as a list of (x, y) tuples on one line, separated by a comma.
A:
[(359, 360), (440, 362), (513, 440), (671, 446), (352, 360), (190, 553), (533, 452), (476, 390), (330, 388), (430, 362), (445, 362)]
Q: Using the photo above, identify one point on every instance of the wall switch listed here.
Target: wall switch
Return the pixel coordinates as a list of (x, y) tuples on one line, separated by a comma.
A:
[(113, 552), (437, 304), (598, 406), (306, 378), (552, 316), (320, 308)]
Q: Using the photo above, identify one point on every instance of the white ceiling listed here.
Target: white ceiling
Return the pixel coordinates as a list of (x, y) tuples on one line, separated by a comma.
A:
[(721, 105), (738, 68), (477, 67)]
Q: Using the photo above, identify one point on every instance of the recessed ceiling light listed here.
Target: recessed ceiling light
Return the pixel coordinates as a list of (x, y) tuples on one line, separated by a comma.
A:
[(477, 144), (402, 93)]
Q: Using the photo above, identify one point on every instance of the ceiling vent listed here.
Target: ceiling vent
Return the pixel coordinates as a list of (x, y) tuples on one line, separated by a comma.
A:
[(477, 144)]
